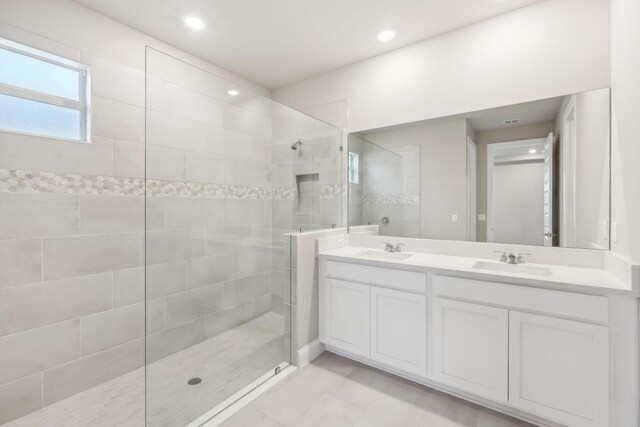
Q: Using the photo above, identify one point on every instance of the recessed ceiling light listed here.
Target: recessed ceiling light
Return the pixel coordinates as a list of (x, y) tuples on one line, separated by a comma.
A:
[(233, 92), (195, 23), (386, 35), (533, 151)]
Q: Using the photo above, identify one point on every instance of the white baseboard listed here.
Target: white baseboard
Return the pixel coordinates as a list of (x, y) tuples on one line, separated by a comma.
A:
[(309, 352)]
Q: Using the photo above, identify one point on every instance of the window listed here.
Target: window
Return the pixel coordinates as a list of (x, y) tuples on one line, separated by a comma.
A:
[(43, 94), (354, 168)]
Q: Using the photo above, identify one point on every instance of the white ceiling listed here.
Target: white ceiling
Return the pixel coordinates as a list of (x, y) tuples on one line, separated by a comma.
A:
[(278, 42)]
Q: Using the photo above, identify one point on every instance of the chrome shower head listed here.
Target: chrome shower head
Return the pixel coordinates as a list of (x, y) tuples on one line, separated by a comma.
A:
[(297, 144)]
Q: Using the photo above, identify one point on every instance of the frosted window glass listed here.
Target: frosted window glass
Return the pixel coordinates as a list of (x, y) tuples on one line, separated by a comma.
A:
[(23, 115), (354, 168), (34, 74)]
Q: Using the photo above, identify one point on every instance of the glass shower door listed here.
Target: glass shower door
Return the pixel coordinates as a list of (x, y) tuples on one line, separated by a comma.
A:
[(216, 284), (226, 184)]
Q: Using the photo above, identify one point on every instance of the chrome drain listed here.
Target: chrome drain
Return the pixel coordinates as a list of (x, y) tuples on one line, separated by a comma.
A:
[(194, 381)]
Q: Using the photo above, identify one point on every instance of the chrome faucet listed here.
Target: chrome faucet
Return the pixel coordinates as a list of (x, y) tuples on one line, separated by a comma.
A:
[(512, 258), (390, 247)]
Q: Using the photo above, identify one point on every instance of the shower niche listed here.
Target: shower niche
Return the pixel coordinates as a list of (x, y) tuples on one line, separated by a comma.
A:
[(307, 194)]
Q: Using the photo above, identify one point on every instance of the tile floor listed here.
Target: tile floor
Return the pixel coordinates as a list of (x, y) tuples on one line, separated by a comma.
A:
[(334, 391)]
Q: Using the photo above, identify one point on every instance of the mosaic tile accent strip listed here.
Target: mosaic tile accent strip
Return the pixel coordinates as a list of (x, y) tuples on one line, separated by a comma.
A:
[(217, 191), (390, 199), (18, 181), (332, 191)]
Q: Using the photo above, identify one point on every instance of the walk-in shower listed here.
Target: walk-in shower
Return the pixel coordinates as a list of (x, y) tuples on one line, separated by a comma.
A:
[(223, 192)]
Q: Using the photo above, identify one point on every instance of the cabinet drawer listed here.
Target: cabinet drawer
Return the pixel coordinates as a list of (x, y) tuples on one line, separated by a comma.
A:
[(560, 303), (388, 277)]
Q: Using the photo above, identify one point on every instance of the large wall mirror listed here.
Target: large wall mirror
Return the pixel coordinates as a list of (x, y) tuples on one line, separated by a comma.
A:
[(535, 173)]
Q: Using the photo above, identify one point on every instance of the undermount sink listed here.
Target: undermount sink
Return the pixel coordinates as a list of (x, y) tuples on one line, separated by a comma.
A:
[(512, 268), (398, 256)]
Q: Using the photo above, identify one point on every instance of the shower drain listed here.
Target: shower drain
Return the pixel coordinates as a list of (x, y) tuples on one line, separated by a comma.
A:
[(194, 381)]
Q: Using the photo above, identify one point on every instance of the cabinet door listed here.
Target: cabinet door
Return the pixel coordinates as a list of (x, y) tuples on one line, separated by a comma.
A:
[(346, 312), (559, 369), (468, 345), (399, 329)]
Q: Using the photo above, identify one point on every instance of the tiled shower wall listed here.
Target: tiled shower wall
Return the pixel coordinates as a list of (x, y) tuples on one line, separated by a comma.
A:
[(72, 217), (71, 250), (213, 260), (389, 186)]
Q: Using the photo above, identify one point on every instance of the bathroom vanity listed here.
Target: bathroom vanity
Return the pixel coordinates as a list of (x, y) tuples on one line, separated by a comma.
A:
[(539, 343)]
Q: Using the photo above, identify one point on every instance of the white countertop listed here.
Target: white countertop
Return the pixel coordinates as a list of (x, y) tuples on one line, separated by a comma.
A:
[(578, 279)]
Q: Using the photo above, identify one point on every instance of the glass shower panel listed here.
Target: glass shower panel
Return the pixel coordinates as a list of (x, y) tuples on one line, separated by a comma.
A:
[(220, 201), (376, 195)]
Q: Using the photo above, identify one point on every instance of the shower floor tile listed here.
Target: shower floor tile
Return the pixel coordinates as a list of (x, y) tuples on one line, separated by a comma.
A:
[(225, 363), (119, 402)]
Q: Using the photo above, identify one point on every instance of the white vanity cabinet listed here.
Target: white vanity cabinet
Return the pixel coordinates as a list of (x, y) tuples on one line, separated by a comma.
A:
[(468, 345), (375, 313), (550, 347), (559, 369), (399, 329), (346, 321), (547, 355)]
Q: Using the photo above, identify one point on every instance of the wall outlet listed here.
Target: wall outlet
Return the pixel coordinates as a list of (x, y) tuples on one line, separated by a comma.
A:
[(340, 243), (482, 217), (614, 232), (605, 230), (454, 218)]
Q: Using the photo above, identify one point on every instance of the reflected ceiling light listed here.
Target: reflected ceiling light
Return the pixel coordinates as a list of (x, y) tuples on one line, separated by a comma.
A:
[(386, 35), (233, 92), (533, 151), (194, 23)]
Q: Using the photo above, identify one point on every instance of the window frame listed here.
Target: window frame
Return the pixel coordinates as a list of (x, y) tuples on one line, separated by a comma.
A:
[(82, 105)]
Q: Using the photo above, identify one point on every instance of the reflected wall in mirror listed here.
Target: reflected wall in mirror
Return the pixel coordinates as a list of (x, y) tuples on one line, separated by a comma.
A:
[(535, 173)]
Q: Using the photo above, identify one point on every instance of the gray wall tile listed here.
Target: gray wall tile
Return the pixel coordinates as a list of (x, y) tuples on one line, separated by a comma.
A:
[(20, 262), (77, 256), (29, 352), (183, 212), (111, 214), (34, 153), (243, 290), (20, 398), (155, 315), (174, 245), (113, 119), (74, 377), (166, 279), (128, 159), (37, 215), (212, 269), (191, 305), (128, 286), (111, 328), (205, 168), (31, 306), (170, 341), (165, 163)]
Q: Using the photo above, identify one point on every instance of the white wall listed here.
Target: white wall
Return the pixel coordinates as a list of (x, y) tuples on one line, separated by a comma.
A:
[(550, 48), (625, 150)]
